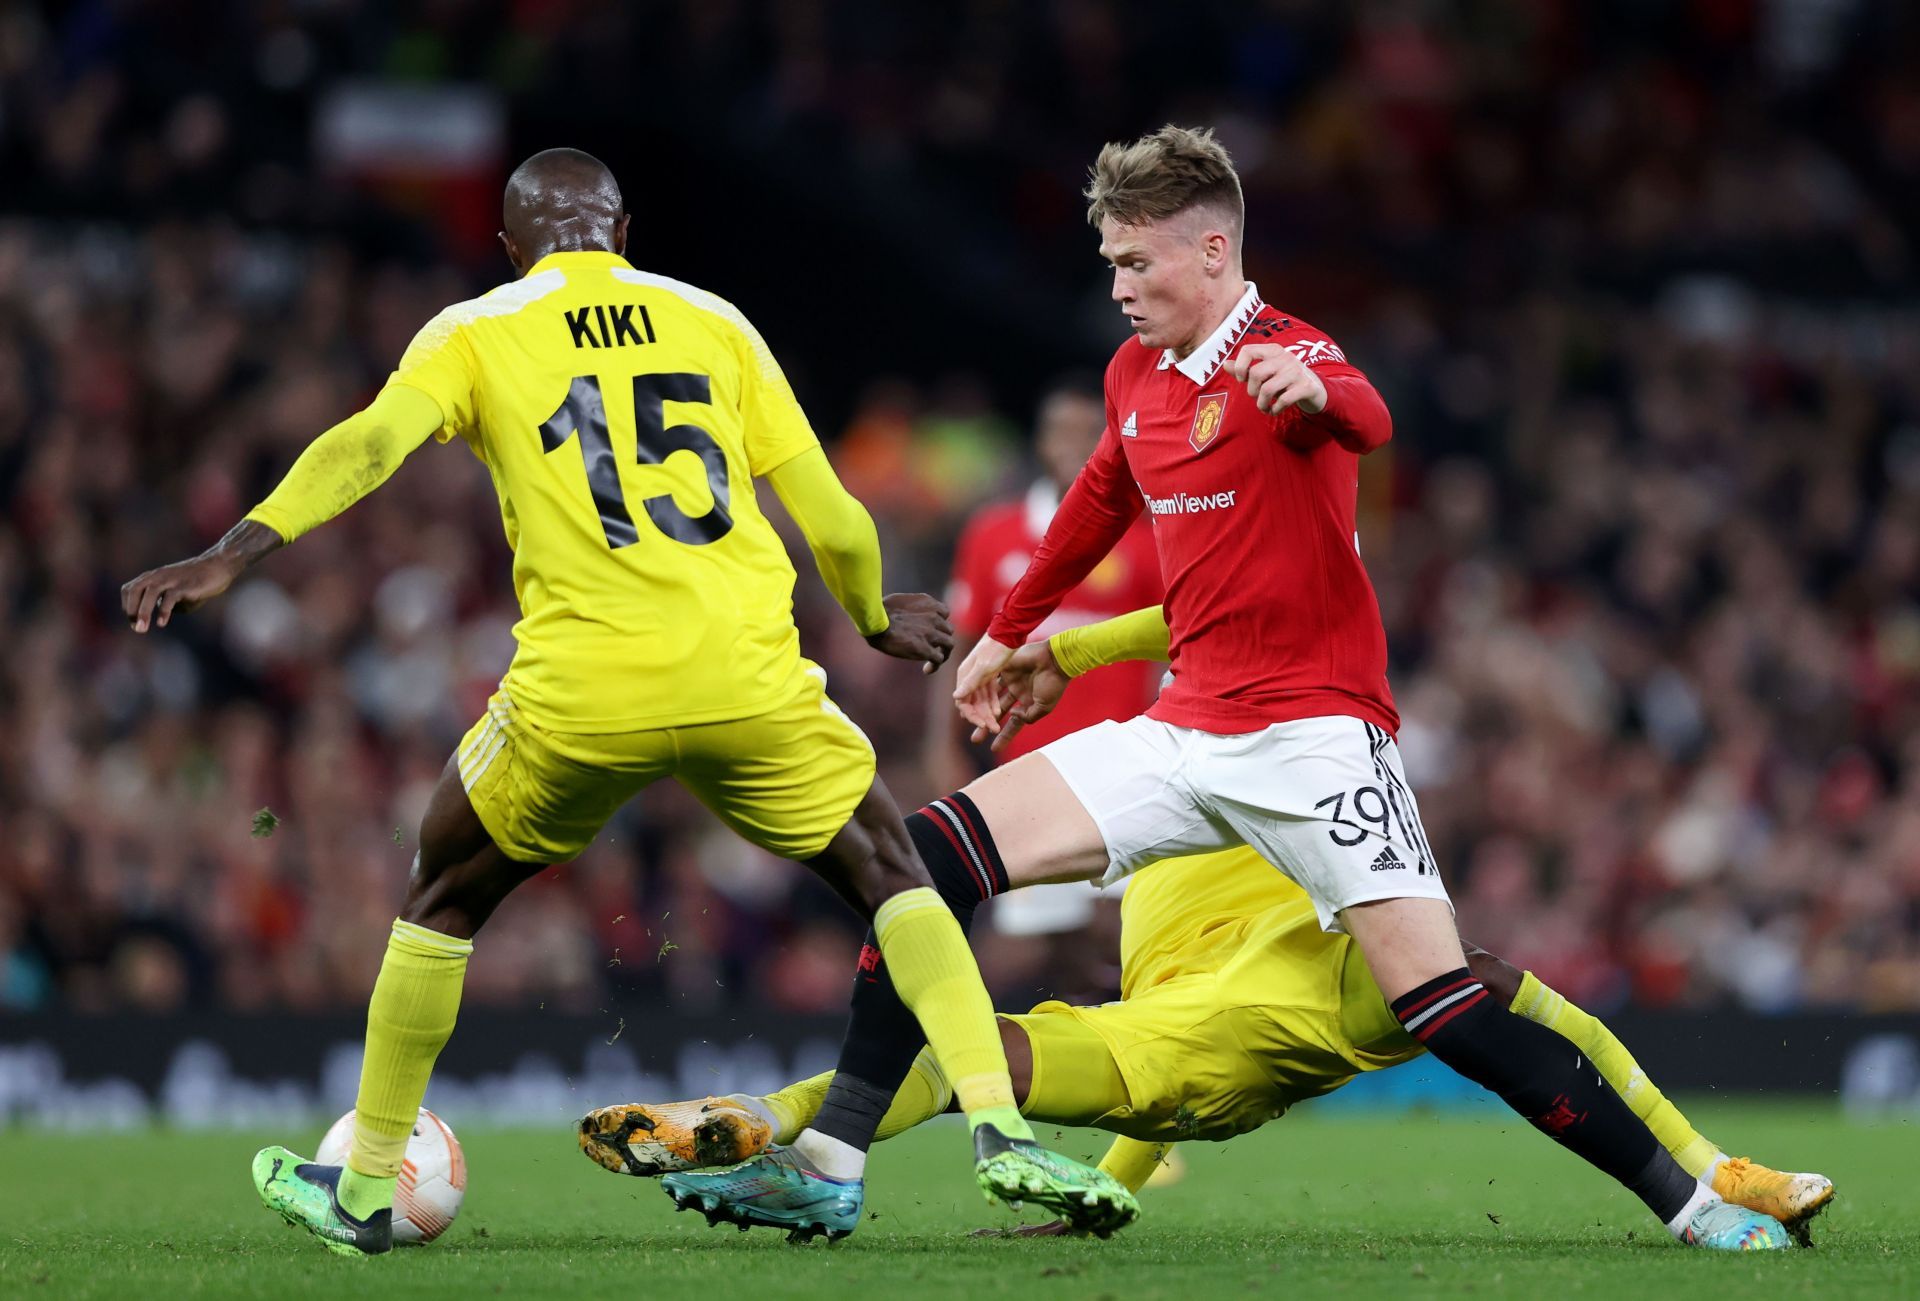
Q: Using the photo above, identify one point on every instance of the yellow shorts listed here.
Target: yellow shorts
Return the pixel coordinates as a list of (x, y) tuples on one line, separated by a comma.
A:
[(1212, 1054), (787, 779)]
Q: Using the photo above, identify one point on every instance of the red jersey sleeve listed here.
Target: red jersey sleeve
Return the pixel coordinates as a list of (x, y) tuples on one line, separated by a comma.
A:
[(1355, 416), (1092, 517)]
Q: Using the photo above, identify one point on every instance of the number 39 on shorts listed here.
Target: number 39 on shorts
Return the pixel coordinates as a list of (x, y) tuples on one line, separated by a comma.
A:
[(1369, 805)]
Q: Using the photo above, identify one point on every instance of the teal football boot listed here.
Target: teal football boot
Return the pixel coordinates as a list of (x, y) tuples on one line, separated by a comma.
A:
[(1722, 1226), (775, 1190)]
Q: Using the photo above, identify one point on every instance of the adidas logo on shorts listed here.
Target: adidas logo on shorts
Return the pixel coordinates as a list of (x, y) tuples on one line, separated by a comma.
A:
[(1388, 861)]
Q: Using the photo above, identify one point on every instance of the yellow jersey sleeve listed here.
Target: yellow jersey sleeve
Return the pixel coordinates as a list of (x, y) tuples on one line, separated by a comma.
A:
[(775, 428), (348, 461), (1139, 635), (440, 363), (840, 534)]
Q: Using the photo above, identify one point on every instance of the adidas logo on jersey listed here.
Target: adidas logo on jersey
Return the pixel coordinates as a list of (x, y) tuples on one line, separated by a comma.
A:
[(1128, 428), (1388, 861)]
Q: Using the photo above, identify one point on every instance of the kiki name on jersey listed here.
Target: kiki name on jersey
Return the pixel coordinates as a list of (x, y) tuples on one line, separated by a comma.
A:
[(602, 326)]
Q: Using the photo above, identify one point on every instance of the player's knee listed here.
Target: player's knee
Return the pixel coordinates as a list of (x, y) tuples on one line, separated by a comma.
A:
[(1500, 977)]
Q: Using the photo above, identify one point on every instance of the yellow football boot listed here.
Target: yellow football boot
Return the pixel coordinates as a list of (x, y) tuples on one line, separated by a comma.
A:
[(1792, 1199), (656, 1138)]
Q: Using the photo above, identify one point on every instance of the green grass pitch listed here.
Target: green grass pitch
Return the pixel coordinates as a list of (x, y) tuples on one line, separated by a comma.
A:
[(1347, 1204)]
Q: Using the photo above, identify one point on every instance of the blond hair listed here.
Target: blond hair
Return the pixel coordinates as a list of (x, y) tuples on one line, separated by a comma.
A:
[(1159, 175)]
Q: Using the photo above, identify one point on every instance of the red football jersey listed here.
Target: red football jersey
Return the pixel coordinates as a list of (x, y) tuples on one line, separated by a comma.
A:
[(1272, 613), (995, 549)]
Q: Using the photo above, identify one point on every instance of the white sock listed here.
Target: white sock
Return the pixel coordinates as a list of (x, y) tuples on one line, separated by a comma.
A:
[(830, 1156), (1703, 1195), (1719, 1159)]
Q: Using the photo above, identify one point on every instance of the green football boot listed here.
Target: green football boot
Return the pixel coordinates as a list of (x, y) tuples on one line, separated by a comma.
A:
[(1018, 1170), (308, 1195)]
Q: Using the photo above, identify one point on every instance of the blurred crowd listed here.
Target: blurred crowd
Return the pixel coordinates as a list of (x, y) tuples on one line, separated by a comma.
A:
[(1635, 279)]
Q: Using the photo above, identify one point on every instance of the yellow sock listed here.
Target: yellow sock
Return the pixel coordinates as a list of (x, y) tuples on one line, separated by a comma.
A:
[(409, 1018), (1540, 1004), (1133, 1161), (795, 1106), (936, 976), (924, 1095), (362, 1195)]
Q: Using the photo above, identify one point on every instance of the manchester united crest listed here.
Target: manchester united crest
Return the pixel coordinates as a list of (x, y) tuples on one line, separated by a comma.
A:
[(1207, 415)]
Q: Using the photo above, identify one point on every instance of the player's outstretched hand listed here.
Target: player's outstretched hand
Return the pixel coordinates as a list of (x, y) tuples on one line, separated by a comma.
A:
[(151, 599), (917, 629), (1031, 684), (977, 693), (1276, 379)]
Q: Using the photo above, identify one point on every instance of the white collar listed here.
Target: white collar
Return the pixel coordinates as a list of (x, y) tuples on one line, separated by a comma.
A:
[(1200, 364), (1042, 502)]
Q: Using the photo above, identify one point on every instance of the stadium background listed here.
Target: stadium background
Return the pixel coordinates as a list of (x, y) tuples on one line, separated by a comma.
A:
[(1635, 277)]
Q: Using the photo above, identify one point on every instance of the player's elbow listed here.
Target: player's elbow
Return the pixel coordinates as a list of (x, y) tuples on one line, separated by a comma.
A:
[(845, 535), (1371, 424), (1373, 437), (1355, 416)]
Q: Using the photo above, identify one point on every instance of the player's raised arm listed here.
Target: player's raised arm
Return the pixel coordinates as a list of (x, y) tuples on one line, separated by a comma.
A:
[(1314, 393), (1093, 516), (846, 546), (337, 469)]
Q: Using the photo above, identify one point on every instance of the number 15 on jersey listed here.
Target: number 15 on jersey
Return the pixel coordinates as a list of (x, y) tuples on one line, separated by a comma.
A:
[(584, 413)]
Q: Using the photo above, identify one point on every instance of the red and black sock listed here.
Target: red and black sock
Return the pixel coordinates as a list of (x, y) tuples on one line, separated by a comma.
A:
[(1539, 1075), (883, 1036)]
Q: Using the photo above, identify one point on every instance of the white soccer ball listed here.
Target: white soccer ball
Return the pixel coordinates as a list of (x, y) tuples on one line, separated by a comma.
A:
[(433, 1178)]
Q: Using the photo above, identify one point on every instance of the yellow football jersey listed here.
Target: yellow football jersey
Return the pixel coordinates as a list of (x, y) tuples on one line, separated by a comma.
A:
[(623, 417), (1197, 912), (1233, 915), (1235, 1004)]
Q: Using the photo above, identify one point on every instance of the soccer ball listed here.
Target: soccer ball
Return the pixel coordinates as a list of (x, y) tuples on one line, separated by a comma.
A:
[(433, 1178)]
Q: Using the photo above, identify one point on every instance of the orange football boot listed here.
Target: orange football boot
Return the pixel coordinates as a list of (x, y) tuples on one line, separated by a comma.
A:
[(1792, 1199), (649, 1138)]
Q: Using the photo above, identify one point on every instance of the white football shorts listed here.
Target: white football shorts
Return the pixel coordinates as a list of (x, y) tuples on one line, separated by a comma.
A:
[(1325, 800)]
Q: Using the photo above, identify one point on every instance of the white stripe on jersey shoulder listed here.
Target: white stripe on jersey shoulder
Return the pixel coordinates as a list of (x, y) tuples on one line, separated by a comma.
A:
[(501, 300), (707, 301)]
